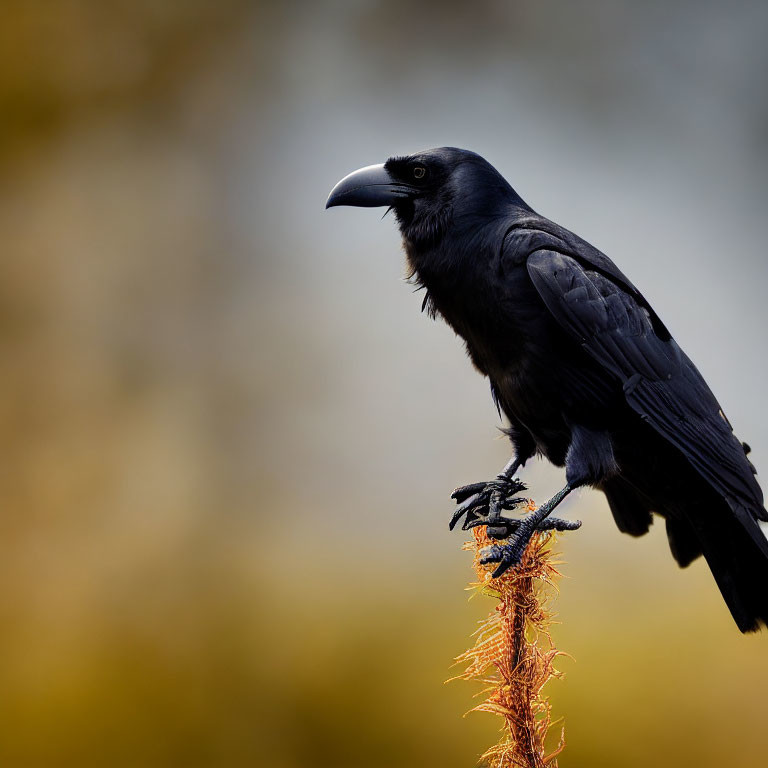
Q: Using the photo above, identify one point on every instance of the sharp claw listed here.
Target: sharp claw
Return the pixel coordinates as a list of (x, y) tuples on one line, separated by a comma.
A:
[(501, 523), (465, 507), (471, 522), (501, 569), (558, 524), (501, 555), (465, 491), (506, 555)]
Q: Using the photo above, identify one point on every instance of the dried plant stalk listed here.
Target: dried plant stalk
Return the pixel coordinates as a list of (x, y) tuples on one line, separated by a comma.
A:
[(514, 654)]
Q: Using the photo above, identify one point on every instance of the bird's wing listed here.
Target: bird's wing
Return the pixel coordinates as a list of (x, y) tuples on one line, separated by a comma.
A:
[(617, 328)]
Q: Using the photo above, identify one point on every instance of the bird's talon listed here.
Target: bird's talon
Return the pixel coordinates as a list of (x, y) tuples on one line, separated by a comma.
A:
[(466, 507), (558, 524), (463, 492), (495, 495), (502, 524), (506, 555), (503, 566)]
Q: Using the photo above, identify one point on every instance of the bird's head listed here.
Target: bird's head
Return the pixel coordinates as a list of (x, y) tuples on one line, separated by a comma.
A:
[(429, 191)]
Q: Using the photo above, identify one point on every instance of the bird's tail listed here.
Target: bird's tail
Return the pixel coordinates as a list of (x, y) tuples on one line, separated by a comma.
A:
[(736, 551)]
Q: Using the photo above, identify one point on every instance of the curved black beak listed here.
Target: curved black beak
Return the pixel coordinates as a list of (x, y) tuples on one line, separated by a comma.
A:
[(368, 188)]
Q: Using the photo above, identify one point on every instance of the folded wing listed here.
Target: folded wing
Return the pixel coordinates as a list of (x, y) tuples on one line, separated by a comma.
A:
[(616, 327)]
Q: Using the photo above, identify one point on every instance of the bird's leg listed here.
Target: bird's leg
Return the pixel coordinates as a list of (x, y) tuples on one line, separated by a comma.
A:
[(510, 553)]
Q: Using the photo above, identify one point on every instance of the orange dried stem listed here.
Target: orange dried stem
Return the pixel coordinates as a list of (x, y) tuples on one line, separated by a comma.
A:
[(514, 654)]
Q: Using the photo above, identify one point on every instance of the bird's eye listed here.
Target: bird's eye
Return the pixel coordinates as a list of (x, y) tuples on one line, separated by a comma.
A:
[(419, 172)]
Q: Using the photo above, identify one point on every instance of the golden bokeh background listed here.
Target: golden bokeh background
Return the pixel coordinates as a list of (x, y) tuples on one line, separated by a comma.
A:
[(229, 435)]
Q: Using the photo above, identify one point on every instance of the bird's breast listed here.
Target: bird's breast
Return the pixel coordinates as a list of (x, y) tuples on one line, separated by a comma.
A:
[(542, 377)]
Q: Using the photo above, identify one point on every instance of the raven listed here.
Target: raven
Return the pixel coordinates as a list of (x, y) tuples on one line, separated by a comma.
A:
[(583, 368)]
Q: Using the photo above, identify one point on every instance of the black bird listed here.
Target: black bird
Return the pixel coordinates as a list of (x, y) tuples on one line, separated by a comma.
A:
[(582, 367)]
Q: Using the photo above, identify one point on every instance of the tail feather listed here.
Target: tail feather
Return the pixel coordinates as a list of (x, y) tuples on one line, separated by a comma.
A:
[(736, 551), (727, 533)]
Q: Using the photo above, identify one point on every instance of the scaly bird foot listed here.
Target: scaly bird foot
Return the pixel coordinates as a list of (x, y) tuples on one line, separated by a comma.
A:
[(512, 526), (482, 504), (510, 553)]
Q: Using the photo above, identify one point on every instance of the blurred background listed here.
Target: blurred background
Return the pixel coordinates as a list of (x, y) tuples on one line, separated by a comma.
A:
[(230, 435)]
